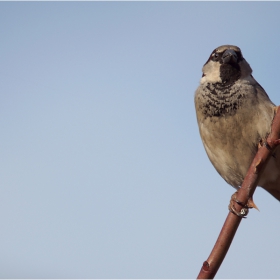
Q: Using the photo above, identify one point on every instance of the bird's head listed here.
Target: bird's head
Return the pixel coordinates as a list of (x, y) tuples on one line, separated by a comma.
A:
[(225, 66)]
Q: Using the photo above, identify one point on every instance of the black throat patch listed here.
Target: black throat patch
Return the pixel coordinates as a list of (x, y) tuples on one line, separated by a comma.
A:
[(229, 74)]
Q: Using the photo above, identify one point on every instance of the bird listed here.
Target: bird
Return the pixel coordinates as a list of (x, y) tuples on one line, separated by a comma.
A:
[(234, 115)]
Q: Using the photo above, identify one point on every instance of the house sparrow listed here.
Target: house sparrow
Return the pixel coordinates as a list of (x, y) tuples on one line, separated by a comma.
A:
[(234, 116)]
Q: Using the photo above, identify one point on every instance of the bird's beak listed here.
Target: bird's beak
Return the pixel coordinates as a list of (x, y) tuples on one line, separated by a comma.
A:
[(229, 56)]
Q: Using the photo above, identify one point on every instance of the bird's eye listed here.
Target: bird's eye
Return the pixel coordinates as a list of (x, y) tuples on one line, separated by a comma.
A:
[(215, 56)]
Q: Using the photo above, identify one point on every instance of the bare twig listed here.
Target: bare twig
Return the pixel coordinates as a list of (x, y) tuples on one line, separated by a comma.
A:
[(212, 264)]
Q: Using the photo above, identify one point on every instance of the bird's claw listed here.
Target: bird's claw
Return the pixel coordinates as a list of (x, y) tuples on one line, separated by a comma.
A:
[(245, 207)]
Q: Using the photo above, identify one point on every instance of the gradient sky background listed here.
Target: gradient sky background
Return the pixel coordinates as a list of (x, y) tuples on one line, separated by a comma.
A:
[(103, 173)]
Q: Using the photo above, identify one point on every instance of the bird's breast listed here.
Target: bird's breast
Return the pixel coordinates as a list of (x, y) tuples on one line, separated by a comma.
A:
[(231, 122), (217, 100)]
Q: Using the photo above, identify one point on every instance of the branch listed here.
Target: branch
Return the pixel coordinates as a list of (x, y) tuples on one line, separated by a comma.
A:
[(244, 194)]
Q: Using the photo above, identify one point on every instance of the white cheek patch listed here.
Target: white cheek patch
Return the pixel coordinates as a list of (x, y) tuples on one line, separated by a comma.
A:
[(211, 73)]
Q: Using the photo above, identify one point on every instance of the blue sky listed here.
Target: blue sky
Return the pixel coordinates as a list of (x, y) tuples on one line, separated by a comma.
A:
[(103, 173)]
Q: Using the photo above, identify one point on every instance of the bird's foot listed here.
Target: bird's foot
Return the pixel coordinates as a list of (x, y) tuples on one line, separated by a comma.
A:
[(264, 142), (245, 207)]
